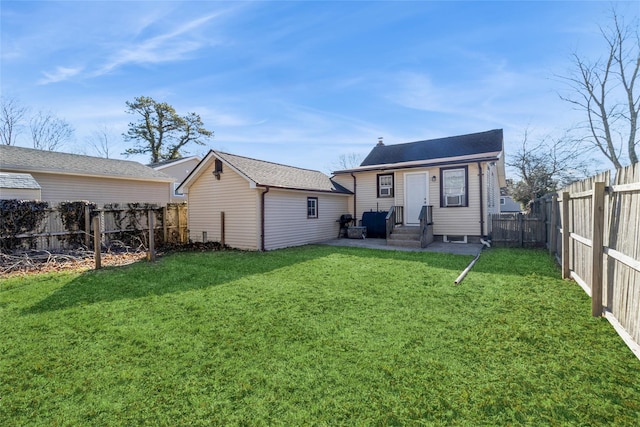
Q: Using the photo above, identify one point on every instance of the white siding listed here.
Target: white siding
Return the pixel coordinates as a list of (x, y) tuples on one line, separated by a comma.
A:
[(286, 222), (450, 221), (457, 221), (20, 193), (232, 195), (180, 171), (60, 188), (367, 194), (345, 180), (493, 194)]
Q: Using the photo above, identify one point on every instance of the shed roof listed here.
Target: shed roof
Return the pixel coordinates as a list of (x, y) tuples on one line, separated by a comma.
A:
[(268, 174), (166, 163), (18, 180), (30, 160)]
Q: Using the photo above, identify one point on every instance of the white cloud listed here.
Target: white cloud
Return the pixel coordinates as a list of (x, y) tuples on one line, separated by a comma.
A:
[(171, 46), (60, 74)]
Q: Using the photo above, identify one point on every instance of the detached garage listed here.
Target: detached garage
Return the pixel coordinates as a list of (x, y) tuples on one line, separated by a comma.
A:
[(257, 205)]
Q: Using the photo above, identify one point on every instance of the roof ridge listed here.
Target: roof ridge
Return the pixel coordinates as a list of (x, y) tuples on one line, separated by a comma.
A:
[(269, 162), (47, 152), (445, 137)]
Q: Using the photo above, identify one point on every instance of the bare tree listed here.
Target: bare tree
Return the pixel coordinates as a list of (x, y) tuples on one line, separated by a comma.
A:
[(605, 89), (348, 161), (49, 132), (102, 139), (11, 117), (545, 165)]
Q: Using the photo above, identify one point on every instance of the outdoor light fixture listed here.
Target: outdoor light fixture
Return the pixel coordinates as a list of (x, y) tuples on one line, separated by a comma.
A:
[(433, 178)]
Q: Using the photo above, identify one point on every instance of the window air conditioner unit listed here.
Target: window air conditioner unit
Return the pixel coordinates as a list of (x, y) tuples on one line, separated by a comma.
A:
[(385, 191), (453, 200)]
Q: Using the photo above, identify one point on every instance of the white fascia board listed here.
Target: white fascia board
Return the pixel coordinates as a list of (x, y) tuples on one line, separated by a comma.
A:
[(426, 163), (177, 162)]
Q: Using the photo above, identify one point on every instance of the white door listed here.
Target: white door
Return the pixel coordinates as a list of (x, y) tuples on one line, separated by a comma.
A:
[(415, 196)]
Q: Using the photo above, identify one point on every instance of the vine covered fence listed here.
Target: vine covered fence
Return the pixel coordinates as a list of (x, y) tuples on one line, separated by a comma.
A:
[(69, 225)]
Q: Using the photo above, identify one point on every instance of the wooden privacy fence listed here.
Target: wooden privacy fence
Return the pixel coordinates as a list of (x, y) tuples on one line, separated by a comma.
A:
[(126, 225), (592, 227), (518, 229), (598, 244)]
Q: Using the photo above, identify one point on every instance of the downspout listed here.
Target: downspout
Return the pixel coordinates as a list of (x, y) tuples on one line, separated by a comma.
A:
[(262, 215), (481, 201), (354, 198)]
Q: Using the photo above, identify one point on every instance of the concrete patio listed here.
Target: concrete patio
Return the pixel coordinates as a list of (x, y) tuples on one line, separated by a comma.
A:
[(452, 248)]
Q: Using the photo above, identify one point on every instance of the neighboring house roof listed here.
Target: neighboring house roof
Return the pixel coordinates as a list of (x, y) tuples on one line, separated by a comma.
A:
[(172, 162), (30, 160), (18, 180), (267, 174), (454, 149)]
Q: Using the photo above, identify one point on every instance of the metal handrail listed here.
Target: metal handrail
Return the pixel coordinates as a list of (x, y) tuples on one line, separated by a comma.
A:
[(426, 220), (389, 221), (426, 214)]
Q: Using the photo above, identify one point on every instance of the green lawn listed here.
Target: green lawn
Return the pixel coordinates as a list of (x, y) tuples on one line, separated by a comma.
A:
[(315, 335)]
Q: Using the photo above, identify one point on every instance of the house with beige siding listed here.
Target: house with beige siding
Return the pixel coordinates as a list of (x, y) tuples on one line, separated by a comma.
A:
[(252, 204), (179, 169), (72, 177), (455, 181)]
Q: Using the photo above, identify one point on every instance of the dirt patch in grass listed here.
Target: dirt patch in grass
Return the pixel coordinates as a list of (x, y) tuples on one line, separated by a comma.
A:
[(38, 262)]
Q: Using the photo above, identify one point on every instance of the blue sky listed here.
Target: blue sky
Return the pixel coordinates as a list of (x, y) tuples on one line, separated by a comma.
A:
[(301, 83)]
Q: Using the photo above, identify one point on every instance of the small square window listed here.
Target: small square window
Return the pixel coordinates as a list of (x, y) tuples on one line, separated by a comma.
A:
[(312, 207), (385, 185)]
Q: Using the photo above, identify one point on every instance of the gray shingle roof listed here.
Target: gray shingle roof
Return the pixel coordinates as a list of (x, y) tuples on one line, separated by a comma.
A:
[(29, 160), (276, 175), (453, 146), (169, 162), (18, 180)]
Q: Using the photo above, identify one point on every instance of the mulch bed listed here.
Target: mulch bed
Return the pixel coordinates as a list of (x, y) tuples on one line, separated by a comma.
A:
[(37, 262)]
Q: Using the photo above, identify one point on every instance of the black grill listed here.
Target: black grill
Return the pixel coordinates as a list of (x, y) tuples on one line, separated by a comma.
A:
[(344, 221)]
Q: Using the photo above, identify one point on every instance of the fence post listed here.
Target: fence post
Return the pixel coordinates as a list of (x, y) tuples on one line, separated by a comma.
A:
[(96, 241), (165, 223), (565, 235), (222, 228), (597, 251), (521, 230), (178, 214), (553, 236), (152, 243), (87, 226)]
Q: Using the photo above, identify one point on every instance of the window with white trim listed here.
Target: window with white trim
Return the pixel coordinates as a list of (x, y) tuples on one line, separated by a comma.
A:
[(385, 185), (312, 207), (453, 187)]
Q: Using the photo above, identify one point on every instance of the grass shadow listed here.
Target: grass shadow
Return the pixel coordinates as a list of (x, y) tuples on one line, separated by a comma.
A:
[(180, 272), (517, 262)]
